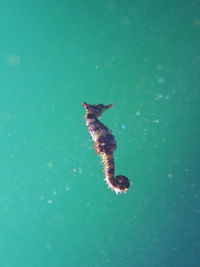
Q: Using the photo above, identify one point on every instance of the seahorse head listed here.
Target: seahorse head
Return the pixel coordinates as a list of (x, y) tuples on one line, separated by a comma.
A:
[(97, 110)]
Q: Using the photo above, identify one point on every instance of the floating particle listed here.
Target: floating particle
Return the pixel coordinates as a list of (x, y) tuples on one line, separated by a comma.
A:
[(108, 65), (158, 96), (79, 169), (161, 80), (169, 175), (48, 247), (155, 121), (193, 185), (137, 113), (74, 170), (50, 201), (124, 21), (49, 164), (197, 22), (159, 67), (53, 106), (110, 5), (123, 126), (14, 60), (67, 188)]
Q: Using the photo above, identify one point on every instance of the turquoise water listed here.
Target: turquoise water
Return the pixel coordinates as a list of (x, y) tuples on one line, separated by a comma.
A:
[(56, 210)]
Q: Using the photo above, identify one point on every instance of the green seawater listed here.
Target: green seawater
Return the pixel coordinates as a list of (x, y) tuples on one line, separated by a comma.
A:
[(142, 56)]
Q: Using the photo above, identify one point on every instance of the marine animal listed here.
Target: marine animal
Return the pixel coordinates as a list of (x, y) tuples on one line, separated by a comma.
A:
[(105, 145)]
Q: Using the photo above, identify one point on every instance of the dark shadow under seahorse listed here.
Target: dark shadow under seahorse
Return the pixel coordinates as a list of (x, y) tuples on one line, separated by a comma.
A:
[(105, 145)]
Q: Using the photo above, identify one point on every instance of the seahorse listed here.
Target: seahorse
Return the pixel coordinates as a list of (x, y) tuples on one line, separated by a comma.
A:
[(105, 145)]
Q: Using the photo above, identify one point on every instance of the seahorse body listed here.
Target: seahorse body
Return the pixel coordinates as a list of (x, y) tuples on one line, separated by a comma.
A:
[(105, 145)]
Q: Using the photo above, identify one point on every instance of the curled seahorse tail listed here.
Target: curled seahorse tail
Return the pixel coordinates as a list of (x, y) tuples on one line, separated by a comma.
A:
[(123, 182), (118, 184)]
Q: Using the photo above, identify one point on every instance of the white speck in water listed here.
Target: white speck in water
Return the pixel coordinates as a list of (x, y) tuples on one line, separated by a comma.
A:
[(14, 60), (79, 169), (41, 197), (110, 5), (124, 21), (49, 164), (161, 80), (108, 65), (159, 67), (197, 22), (67, 188), (49, 201), (166, 97), (54, 193), (88, 205), (158, 96), (137, 113), (123, 126), (155, 121), (53, 106), (48, 247), (169, 175)]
